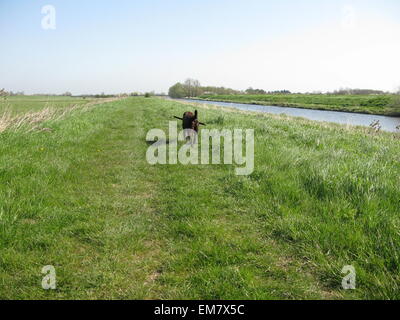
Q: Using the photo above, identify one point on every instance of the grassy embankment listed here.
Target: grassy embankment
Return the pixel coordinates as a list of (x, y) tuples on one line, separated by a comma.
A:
[(370, 104), (82, 197)]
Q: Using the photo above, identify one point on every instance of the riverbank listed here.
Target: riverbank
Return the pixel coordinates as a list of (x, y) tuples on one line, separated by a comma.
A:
[(384, 123), (388, 105)]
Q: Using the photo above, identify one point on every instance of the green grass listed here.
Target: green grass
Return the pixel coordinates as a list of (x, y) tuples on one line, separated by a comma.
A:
[(22, 104), (83, 198), (370, 104)]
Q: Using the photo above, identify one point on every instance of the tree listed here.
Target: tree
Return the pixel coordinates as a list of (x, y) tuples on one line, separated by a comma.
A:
[(177, 91), (196, 88), (192, 87), (188, 84), (255, 91)]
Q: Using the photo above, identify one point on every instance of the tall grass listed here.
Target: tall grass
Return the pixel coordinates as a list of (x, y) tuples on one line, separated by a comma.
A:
[(83, 198), (33, 120)]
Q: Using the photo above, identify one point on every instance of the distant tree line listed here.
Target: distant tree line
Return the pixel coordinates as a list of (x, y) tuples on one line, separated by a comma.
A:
[(4, 93), (192, 88), (349, 91), (261, 91)]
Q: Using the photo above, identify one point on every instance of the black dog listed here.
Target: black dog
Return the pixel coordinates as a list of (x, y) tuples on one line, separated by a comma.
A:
[(190, 124)]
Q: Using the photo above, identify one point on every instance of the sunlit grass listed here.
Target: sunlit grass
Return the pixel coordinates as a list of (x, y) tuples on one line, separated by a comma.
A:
[(83, 198)]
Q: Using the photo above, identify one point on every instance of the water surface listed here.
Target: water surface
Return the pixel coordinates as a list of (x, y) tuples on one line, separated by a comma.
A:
[(348, 118)]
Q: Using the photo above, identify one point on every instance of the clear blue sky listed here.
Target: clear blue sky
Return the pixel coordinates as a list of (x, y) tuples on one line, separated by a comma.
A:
[(125, 46)]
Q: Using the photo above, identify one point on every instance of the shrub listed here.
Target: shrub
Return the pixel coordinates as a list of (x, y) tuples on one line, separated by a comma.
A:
[(177, 91)]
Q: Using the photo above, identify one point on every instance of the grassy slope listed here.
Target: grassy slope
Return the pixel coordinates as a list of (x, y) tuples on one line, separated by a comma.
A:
[(382, 104), (84, 199)]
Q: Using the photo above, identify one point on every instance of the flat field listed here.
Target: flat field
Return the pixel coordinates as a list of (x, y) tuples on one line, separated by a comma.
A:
[(23, 104)]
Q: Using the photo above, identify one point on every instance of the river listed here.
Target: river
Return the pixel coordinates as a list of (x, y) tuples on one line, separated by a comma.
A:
[(347, 118)]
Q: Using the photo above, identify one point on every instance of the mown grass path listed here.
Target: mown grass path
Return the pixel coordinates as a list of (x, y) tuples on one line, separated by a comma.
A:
[(84, 199)]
